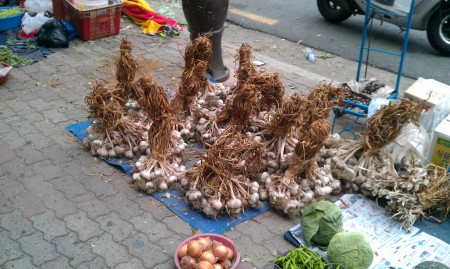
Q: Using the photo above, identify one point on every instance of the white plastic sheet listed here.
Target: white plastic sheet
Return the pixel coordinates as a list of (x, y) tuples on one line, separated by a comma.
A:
[(30, 24), (38, 6)]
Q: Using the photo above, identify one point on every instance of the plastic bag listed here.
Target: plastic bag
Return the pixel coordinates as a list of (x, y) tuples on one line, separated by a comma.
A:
[(71, 31), (39, 6), (53, 34), (434, 116), (411, 146), (31, 24), (375, 105)]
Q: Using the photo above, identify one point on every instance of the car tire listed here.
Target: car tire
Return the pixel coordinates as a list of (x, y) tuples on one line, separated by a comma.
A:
[(333, 11), (438, 31)]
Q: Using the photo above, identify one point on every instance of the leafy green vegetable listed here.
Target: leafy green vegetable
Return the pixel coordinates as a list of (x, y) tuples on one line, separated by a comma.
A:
[(299, 258), (7, 56), (320, 222), (350, 250), (430, 265)]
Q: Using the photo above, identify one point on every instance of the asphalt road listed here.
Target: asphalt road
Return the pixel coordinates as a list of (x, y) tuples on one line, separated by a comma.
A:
[(300, 21)]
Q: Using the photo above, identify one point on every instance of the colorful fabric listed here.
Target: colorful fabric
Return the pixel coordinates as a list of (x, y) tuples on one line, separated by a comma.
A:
[(150, 21)]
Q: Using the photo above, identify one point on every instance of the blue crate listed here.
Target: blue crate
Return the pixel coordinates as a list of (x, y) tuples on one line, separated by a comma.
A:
[(12, 22)]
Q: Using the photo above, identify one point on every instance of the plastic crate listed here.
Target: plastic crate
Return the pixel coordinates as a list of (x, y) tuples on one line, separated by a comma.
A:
[(58, 9), (94, 23), (12, 22)]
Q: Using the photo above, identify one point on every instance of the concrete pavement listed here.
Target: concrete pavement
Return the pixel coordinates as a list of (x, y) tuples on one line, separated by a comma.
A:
[(62, 208)]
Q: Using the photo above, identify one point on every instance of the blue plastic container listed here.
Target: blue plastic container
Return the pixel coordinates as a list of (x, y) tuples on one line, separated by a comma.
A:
[(12, 22)]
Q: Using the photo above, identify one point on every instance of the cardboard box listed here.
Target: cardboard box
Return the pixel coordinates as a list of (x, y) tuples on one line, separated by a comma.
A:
[(440, 145), (430, 91)]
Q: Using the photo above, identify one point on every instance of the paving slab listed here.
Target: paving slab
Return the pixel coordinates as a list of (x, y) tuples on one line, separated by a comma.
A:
[(49, 225), (40, 250), (9, 249), (151, 254), (114, 253), (16, 224), (83, 226), (118, 228), (74, 249), (23, 261)]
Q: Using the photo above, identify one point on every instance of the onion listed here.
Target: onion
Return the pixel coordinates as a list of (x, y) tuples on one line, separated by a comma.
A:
[(188, 263), (204, 265), (206, 242), (230, 254), (208, 256), (182, 251), (216, 244), (220, 252), (217, 266), (225, 264), (194, 248)]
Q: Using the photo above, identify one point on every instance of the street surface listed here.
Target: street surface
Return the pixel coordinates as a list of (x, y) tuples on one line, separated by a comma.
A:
[(300, 21)]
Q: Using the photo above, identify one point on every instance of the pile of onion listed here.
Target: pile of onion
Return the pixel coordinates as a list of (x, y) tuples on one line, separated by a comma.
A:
[(204, 253)]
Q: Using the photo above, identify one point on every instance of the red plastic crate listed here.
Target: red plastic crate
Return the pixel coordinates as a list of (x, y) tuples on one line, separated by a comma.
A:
[(58, 9), (94, 23)]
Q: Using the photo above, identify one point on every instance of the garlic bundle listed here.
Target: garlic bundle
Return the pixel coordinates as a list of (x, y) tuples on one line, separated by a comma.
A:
[(207, 106), (151, 175)]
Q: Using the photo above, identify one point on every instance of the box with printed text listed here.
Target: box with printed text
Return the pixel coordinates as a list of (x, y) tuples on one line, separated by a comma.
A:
[(440, 145)]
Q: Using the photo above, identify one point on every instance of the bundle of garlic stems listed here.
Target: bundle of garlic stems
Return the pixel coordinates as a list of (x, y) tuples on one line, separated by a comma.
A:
[(378, 134), (246, 69), (197, 55), (111, 134), (295, 115), (319, 103), (415, 194), (270, 88), (242, 108), (354, 162), (126, 67), (279, 132), (220, 182), (303, 179), (160, 170)]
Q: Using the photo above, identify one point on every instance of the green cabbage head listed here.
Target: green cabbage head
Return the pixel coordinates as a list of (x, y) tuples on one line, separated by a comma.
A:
[(350, 250), (320, 222)]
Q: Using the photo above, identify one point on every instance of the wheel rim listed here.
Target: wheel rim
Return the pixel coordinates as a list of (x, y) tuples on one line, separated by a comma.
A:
[(333, 5), (444, 29)]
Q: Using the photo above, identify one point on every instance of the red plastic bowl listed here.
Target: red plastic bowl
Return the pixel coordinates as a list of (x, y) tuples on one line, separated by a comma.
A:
[(4, 78), (224, 240)]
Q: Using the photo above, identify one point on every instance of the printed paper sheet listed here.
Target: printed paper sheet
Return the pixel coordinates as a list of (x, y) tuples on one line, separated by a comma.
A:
[(393, 247)]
